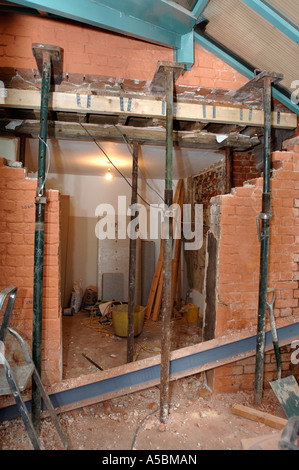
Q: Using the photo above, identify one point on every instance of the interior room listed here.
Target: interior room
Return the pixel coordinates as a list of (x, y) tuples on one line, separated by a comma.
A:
[(149, 176)]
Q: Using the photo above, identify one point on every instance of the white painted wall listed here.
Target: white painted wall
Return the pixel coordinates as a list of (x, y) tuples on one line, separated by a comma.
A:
[(9, 148), (86, 193)]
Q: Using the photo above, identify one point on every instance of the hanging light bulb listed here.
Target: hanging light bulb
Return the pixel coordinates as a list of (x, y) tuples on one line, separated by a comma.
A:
[(108, 175)]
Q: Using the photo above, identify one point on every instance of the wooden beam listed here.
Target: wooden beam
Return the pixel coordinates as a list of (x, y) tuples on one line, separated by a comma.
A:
[(155, 283), (144, 135), (260, 416), (99, 104)]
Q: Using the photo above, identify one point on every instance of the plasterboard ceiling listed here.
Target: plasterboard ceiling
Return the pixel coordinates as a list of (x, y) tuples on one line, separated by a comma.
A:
[(85, 158)]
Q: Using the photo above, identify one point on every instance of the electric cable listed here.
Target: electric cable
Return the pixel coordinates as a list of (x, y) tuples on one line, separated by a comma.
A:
[(117, 169), (48, 167), (111, 162), (132, 153), (139, 426)]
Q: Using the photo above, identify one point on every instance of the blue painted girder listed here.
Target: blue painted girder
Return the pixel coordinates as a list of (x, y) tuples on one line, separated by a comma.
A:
[(150, 374), (157, 21), (274, 17), (228, 57)]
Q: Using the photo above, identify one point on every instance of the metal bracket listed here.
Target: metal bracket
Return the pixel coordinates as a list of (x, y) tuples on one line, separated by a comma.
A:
[(260, 75), (257, 82), (262, 216), (157, 85), (55, 53), (41, 200)]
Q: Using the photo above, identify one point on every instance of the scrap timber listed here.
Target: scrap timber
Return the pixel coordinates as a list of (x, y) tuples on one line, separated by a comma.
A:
[(139, 375), (154, 302)]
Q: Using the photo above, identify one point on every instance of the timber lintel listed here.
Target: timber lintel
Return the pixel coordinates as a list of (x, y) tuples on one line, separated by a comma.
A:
[(149, 107)]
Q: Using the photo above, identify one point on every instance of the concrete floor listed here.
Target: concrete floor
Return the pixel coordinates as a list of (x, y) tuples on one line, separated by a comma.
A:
[(83, 334)]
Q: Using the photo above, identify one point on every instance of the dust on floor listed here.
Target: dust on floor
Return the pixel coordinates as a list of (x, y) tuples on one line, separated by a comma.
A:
[(197, 421), (84, 336)]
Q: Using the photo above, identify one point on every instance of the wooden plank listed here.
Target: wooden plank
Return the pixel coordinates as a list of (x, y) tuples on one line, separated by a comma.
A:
[(158, 300), (99, 104), (158, 272), (155, 282), (177, 253), (157, 308), (146, 135), (178, 286), (259, 416)]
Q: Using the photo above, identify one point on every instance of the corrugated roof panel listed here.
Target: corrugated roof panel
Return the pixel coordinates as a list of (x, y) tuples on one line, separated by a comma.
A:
[(244, 32), (288, 8)]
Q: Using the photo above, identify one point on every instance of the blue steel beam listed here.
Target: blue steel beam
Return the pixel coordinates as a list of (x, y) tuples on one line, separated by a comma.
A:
[(102, 16), (199, 7), (185, 53), (242, 67), (162, 13), (275, 18), (157, 21), (149, 375)]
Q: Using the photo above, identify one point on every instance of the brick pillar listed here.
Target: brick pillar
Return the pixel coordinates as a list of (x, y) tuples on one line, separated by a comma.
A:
[(17, 223), (238, 265)]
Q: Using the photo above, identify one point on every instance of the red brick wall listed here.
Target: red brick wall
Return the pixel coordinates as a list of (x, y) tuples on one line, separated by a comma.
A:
[(88, 50), (239, 258), (244, 168), (17, 226)]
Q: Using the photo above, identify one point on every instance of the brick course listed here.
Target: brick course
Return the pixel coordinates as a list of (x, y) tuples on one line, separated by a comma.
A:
[(88, 50), (239, 258), (244, 168), (17, 215)]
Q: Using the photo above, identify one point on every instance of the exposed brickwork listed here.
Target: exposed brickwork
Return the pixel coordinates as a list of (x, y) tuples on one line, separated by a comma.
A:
[(210, 72), (201, 188), (239, 257), (244, 168), (88, 50), (241, 374), (17, 226), (209, 183)]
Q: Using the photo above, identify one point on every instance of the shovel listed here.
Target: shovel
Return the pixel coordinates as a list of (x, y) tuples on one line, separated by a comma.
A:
[(286, 389)]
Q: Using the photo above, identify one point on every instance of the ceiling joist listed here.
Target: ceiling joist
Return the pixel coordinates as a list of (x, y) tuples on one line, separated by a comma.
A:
[(144, 135)]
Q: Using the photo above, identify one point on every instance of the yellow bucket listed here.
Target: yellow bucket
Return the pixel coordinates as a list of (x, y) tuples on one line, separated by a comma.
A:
[(191, 313), (120, 320)]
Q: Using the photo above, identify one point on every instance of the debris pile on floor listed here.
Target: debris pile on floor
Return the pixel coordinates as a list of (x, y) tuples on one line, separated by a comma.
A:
[(197, 421)]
